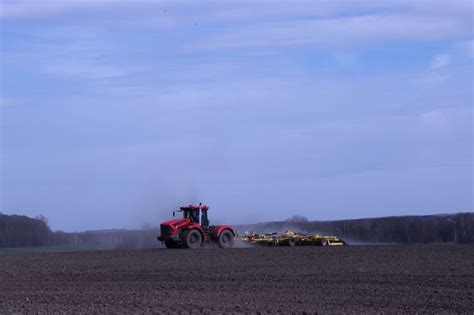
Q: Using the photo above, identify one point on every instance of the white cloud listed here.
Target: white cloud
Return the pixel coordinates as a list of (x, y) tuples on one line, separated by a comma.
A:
[(440, 61), (266, 23), (338, 32), (466, 48), (86, 69), (86, 55), (435, 119), (439, 71), (446, 120), (235, 9), (7, 102), (27, 9)]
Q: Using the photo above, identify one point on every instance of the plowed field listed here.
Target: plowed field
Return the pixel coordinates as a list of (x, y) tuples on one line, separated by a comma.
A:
[(418, 278)]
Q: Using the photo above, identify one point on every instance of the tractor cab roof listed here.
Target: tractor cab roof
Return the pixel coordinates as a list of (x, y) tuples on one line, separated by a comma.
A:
[(191, 207)]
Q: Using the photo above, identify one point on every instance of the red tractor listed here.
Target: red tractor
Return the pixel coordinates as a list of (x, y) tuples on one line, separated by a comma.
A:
[(193, 230)]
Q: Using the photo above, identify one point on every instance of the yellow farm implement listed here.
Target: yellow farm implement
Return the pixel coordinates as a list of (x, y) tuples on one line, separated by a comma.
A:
[(290, 238)]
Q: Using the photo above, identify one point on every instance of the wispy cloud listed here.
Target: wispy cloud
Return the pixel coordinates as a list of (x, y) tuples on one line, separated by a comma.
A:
[(28, 9), (263, 23), (440, 61), (7, 102), (72, 52), (86, 69), (233, 9), (342, 32)]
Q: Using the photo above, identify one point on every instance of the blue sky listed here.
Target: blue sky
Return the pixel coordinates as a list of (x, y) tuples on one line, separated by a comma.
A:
[(113, 113)]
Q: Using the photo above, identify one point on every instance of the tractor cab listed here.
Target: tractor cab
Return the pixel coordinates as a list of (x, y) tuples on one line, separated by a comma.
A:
[(197, 214)]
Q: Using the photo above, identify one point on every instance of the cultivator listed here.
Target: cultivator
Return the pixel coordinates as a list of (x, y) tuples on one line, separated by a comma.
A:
[(290, 238)]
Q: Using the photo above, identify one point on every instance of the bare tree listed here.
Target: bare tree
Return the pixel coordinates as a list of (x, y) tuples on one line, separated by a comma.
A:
[(297, 218), (43, 218)]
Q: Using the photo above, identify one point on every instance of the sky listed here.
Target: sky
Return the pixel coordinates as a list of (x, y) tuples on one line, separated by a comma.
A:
[(114, 113)]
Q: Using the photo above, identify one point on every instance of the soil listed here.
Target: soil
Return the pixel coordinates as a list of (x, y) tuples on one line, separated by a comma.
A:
[(360, 279)]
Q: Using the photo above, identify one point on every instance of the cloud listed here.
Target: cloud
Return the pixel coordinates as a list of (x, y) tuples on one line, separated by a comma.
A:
[(440, 61), (234, 9), (440, 69), (7, 102), (443, 118), (27, 9), (338, 32), (466, 48), (435, 119), (265, 23), (83, 53), (86, 69)]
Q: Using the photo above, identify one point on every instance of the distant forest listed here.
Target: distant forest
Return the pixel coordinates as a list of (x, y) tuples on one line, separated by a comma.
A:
[(22, 231)]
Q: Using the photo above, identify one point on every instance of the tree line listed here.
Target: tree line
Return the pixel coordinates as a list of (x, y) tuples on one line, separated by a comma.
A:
[(23, 231)]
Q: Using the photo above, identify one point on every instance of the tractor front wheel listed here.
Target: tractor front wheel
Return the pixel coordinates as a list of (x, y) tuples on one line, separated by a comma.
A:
[(226, 239), (192, 239)]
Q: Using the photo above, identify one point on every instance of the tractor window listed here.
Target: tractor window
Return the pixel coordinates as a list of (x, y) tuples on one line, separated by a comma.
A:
[(204, 219), (193, 215)]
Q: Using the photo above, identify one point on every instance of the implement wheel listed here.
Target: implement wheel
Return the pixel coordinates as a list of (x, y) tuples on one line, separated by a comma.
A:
[(291, 242), (226, 239), (192, 239)]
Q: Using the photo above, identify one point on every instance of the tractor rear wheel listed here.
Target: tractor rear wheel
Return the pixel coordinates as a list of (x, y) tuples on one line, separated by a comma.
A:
[(226, 239), (192, 239)]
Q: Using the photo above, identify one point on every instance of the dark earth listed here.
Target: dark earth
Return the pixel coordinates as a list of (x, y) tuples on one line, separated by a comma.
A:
[(361, 279)]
